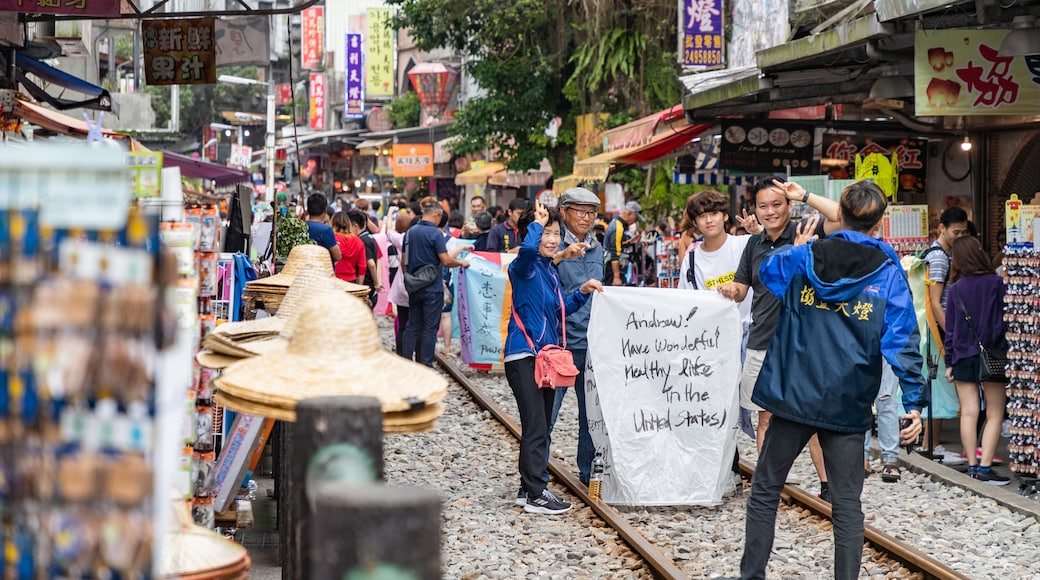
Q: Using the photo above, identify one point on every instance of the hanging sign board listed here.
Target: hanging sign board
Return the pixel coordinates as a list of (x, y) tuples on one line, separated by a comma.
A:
[(379, 57), (145, 174), (912, 155), (701, 38), (961, 72), (179, 51), (77, 7), (413, 160), (354, 78), (317, 101), (905, 223), (661, 394), (312, 32), (765, 147), (243, 41)]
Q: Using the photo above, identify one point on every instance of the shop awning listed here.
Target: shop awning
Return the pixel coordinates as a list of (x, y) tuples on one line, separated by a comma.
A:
[(533, 177), (712, 178), (54, 121), (640, 131), (562, 184), (480, 174), (199, 169), (372, 146), (663, 144), (597, 167), (99, 99)]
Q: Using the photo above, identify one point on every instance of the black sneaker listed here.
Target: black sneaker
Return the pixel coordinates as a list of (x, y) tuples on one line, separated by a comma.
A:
[(825, 495), (546, 503), (521, 497), (989, 477)]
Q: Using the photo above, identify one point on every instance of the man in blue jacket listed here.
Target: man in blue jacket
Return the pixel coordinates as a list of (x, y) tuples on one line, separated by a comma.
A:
[(846, 304)]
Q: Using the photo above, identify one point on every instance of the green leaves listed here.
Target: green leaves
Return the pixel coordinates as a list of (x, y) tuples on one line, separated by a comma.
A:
[(405, 111)]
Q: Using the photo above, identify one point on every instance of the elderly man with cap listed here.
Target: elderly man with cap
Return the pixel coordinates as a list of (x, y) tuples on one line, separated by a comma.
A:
[(617, 243), (579, 259)]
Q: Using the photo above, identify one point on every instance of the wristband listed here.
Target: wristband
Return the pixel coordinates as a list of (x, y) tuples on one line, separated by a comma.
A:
[(805, 198)]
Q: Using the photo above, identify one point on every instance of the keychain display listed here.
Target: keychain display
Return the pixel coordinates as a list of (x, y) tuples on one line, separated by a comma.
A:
[(79, 315), (1022, 324)]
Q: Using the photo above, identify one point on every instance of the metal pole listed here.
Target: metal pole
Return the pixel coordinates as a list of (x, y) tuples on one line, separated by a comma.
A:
[(269, 144)]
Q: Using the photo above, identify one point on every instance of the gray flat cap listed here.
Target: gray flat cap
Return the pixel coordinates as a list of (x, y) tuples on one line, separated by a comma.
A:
[(578, 196)]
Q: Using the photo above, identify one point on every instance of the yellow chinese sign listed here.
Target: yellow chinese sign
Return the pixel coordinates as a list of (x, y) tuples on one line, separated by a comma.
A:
[(961, 72), (590, 134), (179, 51), (379, 58)]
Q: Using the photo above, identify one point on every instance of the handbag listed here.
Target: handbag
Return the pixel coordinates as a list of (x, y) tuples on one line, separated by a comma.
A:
[(422, 277), (993, 363), (554, 365)]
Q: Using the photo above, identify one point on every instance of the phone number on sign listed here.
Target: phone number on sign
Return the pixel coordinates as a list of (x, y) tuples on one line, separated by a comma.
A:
[(702, 56)]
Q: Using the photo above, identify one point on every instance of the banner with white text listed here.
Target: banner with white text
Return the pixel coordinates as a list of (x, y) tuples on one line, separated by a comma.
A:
[(661, 394), (482, 295)]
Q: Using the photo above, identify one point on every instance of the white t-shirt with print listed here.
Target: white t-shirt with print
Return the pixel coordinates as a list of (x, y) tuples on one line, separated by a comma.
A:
[(713, 269)]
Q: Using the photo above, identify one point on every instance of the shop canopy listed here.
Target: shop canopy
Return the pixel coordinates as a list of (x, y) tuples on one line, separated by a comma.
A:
[(97, 97), (597, 167), (372, 146), (55, 121), (200, 169), (480, 174), (533, 177)]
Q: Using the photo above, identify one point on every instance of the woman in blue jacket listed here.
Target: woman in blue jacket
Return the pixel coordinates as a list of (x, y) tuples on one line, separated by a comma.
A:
[(976, 291), (536, 302)]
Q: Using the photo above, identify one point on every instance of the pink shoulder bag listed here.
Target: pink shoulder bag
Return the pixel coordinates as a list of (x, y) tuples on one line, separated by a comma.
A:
[(554, 365)]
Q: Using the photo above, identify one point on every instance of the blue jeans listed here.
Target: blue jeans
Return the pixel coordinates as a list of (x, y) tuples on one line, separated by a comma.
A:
[(586, 450), (424, 317), (783, 441), (887, 406)]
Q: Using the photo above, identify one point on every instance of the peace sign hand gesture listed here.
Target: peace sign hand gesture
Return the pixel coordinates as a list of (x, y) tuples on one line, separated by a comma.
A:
[(541, 215)]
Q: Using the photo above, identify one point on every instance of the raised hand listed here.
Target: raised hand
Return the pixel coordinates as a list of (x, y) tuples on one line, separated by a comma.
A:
[(749, 222), (806, 230), (541, 215)]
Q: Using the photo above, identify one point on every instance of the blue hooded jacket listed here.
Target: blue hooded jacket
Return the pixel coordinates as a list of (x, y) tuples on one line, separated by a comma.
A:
[(536, 297), (846, 304)]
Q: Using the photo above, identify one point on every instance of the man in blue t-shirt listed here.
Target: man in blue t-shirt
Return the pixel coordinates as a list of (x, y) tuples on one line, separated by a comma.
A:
[(424, 245), (318, 230)]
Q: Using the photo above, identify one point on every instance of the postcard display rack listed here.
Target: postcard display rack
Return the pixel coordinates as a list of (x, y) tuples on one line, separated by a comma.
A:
[(1022, 325), (80, 333)]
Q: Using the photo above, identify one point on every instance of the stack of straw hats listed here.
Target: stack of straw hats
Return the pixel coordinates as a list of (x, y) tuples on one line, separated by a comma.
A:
[(334, 350), (192, 552), (272, 290)]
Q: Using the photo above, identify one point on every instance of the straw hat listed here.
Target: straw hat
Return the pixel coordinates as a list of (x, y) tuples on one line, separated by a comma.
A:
[(298, 256), (334, 351), (215, 360), (192, 551), (418, 421)]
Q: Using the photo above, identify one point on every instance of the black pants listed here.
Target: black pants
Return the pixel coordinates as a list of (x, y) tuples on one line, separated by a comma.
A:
[(535, 405), (402, 323), (843, 459)]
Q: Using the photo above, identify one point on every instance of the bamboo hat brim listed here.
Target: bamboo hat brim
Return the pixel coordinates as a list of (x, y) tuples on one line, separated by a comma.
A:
[(419, 421), (215, 360), (298, 256), (192, 551), (334, 351)]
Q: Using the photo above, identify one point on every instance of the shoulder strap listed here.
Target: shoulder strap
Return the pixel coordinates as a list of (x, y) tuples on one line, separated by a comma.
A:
[(563, 318), (967, 317)]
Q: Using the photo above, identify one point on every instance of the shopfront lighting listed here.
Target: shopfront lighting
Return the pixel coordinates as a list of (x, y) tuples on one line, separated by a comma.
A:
[(1024, 38), (966, 144), (891, 86), (357, 184)]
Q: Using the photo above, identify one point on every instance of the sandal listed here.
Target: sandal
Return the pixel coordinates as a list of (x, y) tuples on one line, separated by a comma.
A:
[(890, 473)]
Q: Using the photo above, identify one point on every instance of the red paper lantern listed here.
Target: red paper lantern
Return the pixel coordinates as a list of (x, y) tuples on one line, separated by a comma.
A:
[(434, 83)]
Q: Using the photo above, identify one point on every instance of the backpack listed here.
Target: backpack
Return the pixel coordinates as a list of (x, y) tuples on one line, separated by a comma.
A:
[(691, 277)]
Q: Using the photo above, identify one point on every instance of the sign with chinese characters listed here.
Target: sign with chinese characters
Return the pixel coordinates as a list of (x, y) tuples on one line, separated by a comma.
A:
[(661, 394), (379, 55), (145, 174), (241, 156), (354, 77), (701, 38), (210, 140), (413, 160), (179, 51), (961, 72), (242, 41), (312, 32), (282, 94), (904, 223), (78, 7), (911, 154), (590, 134), (317, 101), (765, 147)]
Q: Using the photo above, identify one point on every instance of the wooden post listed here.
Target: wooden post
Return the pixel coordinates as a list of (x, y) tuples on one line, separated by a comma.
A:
[(374, 528), (321, 422)]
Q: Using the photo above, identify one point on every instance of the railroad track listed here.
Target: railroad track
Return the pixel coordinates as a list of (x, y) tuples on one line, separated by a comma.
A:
[(663, 566)]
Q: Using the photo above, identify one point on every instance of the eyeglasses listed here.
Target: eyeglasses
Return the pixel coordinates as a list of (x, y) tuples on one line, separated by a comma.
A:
[(583, 213)]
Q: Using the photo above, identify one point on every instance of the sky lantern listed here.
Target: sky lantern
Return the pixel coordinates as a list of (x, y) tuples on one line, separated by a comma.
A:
[(434, 83)]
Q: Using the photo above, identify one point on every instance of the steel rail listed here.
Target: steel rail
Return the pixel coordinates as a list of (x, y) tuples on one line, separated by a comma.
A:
[(900, 550), (661, 565)]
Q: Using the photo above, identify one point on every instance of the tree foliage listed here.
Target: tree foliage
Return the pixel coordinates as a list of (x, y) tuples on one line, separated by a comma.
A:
[(405, 111), (202, 104), (535, 60)]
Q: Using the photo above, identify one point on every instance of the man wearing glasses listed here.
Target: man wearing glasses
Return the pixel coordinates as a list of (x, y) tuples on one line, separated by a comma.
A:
[(579, 259)]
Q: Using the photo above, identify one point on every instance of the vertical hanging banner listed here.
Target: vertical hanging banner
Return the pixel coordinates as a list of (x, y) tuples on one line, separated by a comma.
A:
[(661, 394), (242, 41), (317, 101), (379, 54), (210, 140), (354, 78), (282, 94), (179, 51), (312, 30), (701, 36)]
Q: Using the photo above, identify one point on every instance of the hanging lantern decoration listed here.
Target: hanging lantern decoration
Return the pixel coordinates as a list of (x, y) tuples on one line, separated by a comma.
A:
[(435, 84)]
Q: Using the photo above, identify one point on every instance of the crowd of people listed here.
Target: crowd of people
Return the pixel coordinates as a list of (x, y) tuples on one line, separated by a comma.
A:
[(768, 264)]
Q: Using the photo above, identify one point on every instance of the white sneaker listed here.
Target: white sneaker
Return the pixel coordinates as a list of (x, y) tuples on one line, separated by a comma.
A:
[(949, 458)]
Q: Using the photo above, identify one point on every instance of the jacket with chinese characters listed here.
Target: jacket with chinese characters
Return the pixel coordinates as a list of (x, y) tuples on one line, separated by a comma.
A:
[(846, 304)]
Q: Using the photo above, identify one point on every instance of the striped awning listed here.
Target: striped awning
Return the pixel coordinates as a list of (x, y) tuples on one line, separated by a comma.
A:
[(711, 178)]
